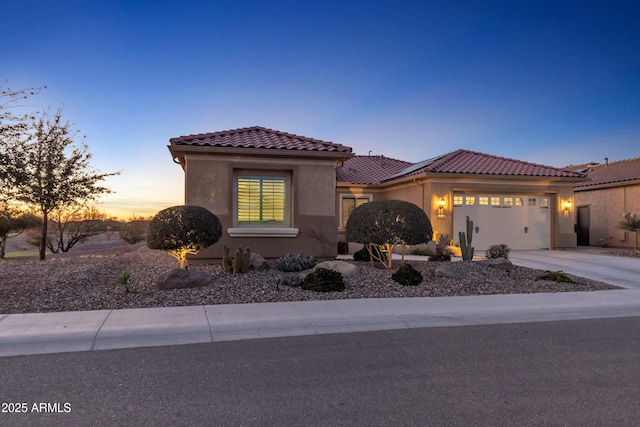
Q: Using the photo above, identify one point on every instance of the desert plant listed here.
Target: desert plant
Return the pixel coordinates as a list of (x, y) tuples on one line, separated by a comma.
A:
[(407, 275), (323, 280), (296, 262), (134, 230), (465, 242), (632, 224), (123, 280), (500, 250), (555, 276), (383, 224), (239, 263), (182, 230), (422, 252)]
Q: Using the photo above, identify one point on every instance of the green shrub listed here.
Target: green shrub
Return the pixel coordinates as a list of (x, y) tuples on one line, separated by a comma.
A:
[(555, 276), (500, 250), (323, 280), (133, 232), (295, 262), (407, 275), (182, 230), (387, 223), (123, 280), (422, 252)]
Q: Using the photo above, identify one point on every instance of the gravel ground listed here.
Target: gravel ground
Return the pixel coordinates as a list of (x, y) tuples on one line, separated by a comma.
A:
[(86, 281)]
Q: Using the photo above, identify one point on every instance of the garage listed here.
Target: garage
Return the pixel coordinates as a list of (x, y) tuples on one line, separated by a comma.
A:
[(520, 221)]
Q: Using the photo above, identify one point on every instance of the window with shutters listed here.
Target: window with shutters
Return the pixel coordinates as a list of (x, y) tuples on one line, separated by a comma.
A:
[(262, 200), (348, 203)]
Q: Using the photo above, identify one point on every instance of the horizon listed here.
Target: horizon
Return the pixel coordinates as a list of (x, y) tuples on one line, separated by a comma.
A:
[(552, 83)]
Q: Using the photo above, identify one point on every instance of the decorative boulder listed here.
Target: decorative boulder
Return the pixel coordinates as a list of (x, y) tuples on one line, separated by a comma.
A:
[(257, 262), (497, 263), (178, 278), (448, 271), (342, 267)]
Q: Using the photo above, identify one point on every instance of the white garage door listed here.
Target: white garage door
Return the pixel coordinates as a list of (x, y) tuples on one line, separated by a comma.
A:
[(522, 222)]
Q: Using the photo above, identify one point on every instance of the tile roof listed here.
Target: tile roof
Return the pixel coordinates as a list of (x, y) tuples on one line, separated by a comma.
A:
[(258, 137), (474, 163), (618, 172), (369, 169)]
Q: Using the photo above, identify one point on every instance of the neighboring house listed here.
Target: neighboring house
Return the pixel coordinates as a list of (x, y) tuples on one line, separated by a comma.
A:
[(525, 205), (612, 192), (273, 192), (276, 192)]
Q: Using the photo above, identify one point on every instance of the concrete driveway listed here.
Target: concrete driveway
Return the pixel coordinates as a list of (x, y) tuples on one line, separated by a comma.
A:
[(615, 270)]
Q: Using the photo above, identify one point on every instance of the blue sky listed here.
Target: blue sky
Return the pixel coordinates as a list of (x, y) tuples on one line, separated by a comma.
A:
[(552, 82)]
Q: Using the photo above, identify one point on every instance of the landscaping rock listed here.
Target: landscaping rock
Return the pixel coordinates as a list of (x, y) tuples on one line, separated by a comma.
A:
[(345, 268), (178, 278), (497, 263), (257, 262), (448, 271)]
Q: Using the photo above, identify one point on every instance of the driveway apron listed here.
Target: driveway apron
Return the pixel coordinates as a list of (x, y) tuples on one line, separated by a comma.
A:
[(615, 270)]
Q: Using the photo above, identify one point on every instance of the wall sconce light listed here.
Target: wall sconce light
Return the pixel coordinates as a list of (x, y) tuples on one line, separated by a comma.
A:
[(441, 203), (567, 206)]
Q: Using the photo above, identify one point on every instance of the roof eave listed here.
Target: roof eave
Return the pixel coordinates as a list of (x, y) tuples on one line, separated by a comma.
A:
[(179, 151)]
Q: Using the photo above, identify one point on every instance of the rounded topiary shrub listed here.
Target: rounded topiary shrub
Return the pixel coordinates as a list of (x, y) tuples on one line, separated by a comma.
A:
[(407, 275), (182, 230), (498, 251), (323, 280)]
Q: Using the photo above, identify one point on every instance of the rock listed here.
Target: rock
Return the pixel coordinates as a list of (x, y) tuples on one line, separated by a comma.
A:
[(497, 263), (345, 268), (448, 271), (178, 278), (257, 262)]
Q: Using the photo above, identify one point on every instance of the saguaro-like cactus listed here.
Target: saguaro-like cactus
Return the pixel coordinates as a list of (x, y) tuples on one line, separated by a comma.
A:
[(465, 242), (241, 260)]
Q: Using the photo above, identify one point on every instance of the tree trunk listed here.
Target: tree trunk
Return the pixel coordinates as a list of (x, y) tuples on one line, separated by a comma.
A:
[(43, 238), (3, 244)]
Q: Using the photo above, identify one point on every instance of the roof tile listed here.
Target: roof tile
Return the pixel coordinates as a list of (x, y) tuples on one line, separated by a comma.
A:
[(258, 137), (369, 169), (610, 173)]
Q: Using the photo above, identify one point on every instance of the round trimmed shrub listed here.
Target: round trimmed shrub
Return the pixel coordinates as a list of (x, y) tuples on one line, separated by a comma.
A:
[(407, 275), (500, 250), (182, 230), (323, 280)]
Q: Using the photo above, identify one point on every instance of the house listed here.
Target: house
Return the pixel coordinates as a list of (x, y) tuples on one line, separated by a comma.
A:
[(276, 192), (273, 192), (611, 194), (525, 205)]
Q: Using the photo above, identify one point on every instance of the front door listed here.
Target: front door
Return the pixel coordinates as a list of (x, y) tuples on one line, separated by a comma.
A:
[(583, 225)]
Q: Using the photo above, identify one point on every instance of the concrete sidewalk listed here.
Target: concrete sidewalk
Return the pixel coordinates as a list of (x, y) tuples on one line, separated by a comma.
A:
[(39, 333)]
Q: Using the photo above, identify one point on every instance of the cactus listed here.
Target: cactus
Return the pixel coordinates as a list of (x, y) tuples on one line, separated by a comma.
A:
[(239, 263), (296, 262), (465, 242)]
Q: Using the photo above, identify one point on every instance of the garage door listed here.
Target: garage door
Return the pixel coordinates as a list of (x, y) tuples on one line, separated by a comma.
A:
[(520, 221)]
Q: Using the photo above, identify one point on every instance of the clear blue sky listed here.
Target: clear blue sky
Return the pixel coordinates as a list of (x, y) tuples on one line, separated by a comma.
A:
[(551, 82)]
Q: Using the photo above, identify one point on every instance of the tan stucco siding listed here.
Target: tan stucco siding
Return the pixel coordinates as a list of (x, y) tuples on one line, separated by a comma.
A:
[(606, 206)]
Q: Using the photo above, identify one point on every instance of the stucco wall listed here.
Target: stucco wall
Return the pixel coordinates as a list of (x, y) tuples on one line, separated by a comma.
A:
[(209, 183), (606, 206)]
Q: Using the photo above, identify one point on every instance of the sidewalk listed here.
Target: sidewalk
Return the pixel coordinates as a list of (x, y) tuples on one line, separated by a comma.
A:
[(39, 333)]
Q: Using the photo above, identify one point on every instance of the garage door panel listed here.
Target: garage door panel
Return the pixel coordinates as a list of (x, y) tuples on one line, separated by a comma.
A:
[(521, 227)]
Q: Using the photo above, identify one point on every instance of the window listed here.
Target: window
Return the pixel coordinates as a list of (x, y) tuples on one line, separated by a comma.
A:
[(495, 201), (532, 201), (348, 204), (519, 201), (544, 202), (457, 200), (261, 200), (508, 201), (470, 200), (483, 200)]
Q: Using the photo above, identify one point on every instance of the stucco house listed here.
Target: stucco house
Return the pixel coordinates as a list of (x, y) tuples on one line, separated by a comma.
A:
[(611, 193), (276, 192), (522, 204)]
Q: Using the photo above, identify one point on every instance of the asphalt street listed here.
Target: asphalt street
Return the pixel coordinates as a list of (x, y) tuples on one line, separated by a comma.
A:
[(581, 372)]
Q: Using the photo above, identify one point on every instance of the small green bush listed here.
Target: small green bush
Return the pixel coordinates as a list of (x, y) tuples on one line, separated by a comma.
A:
[(555, 276), (500, 250), (123, 280), (422, 252), (323, 280), (133, 232), (407, 275)]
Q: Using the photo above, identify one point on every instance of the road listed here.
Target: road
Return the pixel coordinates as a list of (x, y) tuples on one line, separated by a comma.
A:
[(571, 373)]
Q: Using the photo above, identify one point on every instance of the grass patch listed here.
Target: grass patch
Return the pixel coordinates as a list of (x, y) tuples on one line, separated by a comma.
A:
[(21, 254), (555, 276)]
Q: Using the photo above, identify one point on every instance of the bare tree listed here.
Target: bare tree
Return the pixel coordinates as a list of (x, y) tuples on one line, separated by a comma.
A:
[(74, 224), (50, 172), (13, 221)]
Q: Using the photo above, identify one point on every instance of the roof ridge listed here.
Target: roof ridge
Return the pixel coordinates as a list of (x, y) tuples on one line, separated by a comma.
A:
[(386, 157), (616, 162)]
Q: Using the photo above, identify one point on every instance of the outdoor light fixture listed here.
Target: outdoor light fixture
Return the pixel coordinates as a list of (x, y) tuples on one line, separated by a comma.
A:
[(567, 205), (441, 203)]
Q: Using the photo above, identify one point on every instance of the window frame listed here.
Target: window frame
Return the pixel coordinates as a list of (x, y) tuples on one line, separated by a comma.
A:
[(349, 196), (262, 175)]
